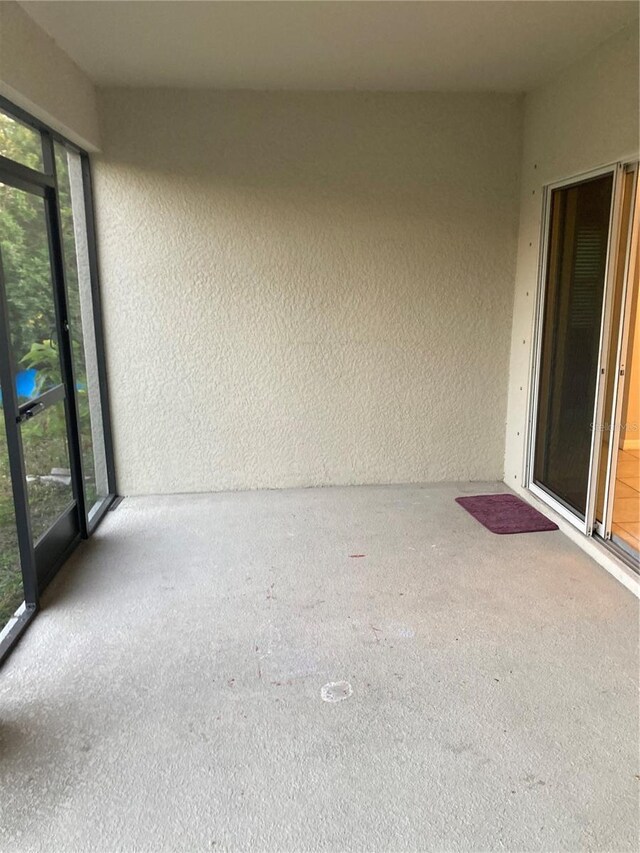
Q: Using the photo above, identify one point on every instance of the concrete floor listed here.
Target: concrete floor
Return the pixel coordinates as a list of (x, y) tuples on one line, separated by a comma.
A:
[(168, 697)]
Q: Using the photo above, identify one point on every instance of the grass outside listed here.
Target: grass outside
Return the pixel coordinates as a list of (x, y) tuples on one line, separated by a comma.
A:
[(10, 575)]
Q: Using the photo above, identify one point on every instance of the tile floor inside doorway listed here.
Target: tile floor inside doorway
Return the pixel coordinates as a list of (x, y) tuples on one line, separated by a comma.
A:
[(626, 506)]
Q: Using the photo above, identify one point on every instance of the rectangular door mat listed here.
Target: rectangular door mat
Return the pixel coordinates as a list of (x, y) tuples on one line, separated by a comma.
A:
[(506, 514)]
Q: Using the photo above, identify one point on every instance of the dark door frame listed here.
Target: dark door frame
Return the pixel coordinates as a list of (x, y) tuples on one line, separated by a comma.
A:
[(39, 568)]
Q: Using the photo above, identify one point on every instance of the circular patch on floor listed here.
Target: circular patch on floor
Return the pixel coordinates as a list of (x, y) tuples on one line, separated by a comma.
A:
[(336, 691)]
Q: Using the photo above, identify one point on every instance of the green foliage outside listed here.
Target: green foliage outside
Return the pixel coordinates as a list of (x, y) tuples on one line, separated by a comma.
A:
[(25, 259)]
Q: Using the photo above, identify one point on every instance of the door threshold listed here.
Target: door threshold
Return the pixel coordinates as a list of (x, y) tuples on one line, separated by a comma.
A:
[(633, 562), (14, 629), (594, 546)]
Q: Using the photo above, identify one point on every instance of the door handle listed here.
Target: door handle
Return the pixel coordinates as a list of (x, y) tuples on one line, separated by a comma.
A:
[(29, 413), (27, 410)]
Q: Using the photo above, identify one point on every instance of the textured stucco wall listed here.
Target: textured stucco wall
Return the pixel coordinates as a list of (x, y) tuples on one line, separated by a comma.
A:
[(306, 288), (38, 76), (585, 118)]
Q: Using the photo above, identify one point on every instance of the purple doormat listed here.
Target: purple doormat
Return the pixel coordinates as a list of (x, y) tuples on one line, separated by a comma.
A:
[(506, 514)]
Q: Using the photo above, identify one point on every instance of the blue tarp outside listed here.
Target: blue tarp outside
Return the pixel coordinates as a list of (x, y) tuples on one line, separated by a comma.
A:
[(25, 384)]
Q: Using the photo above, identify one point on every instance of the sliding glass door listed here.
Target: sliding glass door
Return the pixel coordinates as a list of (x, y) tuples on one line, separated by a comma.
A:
[(585, 449), (578, 241), (618, 503), (56, 470)]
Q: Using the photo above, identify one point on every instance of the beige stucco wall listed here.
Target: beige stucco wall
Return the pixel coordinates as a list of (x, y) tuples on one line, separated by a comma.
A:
[(38, 76), (585, 118), (306, 289)]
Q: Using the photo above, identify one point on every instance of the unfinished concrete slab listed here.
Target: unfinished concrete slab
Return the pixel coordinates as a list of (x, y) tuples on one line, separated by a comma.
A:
[(325, 669)]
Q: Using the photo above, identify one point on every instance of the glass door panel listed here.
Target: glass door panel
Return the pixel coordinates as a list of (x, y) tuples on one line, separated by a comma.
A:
[(29, 291), (572, 320), (47, 468), (33, 359), (622, 509), (608, 430)]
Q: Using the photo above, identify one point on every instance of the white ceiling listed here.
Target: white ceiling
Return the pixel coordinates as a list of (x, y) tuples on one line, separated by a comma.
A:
[(394, 45)]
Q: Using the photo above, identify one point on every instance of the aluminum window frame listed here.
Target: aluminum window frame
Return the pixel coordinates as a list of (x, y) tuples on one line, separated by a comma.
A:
[(45, 184)]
